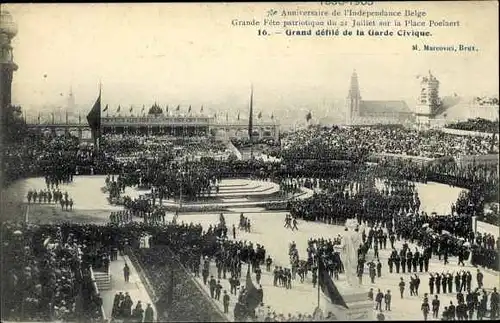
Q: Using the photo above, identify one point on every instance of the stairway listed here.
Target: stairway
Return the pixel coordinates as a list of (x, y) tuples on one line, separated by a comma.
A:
[(102, 280)]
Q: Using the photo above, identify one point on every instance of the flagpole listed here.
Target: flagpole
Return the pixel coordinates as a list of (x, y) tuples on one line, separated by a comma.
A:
[(319, 259), (251, 123)]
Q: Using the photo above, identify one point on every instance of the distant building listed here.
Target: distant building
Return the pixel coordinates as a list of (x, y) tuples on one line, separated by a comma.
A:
[(428, 103), (363, 112)]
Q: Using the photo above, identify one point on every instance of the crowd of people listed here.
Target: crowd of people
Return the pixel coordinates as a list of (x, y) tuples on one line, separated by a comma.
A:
[(47, 275), (133, 146), (381, 197), (478, 124), (357, 142), (123, 309)]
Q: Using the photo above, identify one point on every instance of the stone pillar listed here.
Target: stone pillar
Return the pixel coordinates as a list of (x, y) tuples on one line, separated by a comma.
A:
[(8, 30)]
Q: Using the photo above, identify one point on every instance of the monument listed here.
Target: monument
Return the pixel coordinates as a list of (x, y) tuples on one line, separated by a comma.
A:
[(352, 241), (359, 308)]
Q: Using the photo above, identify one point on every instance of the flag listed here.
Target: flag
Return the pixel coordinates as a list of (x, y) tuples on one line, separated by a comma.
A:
[(105, 108), (215, 115), (166, 109), (118, 110), (227, 117), (327, 286), (38, 117), (272, 116), (252, 297), (238, 115), (143, 107), (250, 118), (131, 109), (94, 118), (79, 118), (201, 110), (308, 116), (178, 108), (189, 110), (260, 115)]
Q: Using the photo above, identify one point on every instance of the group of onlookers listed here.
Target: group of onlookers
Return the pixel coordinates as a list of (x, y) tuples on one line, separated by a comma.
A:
[(358, 142)]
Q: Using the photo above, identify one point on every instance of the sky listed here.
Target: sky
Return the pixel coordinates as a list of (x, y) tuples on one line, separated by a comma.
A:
[(189, 54)]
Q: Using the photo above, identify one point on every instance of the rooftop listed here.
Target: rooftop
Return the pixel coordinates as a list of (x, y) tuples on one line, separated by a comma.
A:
[(383, 107)]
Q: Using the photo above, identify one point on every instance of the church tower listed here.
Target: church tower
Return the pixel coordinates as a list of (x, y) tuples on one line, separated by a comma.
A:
[(428, 100), (353, 100), (8, 30)]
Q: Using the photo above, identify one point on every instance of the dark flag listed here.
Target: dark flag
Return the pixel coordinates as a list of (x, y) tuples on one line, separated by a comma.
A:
[(253, 297), (143, 107), (238, 116), (250, 118), (178, 108), (105, 108), (215, 115), (38, 117), (272, 116), (79, 118), (260, 115), (118, 110), (189, 110), (308, 116), (131, 109), (201, 110), (94, 118), (327, 286), (52, 117), (166, 108), (227, 118)]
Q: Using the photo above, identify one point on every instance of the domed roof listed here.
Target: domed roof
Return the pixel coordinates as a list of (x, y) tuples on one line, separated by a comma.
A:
[(7, 24)]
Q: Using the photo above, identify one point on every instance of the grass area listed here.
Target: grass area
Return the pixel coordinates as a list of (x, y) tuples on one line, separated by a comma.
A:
[(182, 302)]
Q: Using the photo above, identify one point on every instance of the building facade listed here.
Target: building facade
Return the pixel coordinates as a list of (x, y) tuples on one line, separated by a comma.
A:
[(177, 126)]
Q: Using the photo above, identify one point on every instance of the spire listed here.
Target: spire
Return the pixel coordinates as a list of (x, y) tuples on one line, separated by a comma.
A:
[(354, 88), (353, 99), (71, 99)]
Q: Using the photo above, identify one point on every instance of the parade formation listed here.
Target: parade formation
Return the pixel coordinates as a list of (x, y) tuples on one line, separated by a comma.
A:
[(177, 216)]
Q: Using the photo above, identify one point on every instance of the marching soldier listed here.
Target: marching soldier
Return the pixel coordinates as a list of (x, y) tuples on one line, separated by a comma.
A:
[(225, 301)]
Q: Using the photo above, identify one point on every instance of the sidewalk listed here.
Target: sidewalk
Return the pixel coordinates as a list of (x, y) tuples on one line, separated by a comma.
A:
[(134, 287)]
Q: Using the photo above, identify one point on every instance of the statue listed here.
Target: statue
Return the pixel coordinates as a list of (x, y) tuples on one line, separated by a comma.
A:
[(352, 241)]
